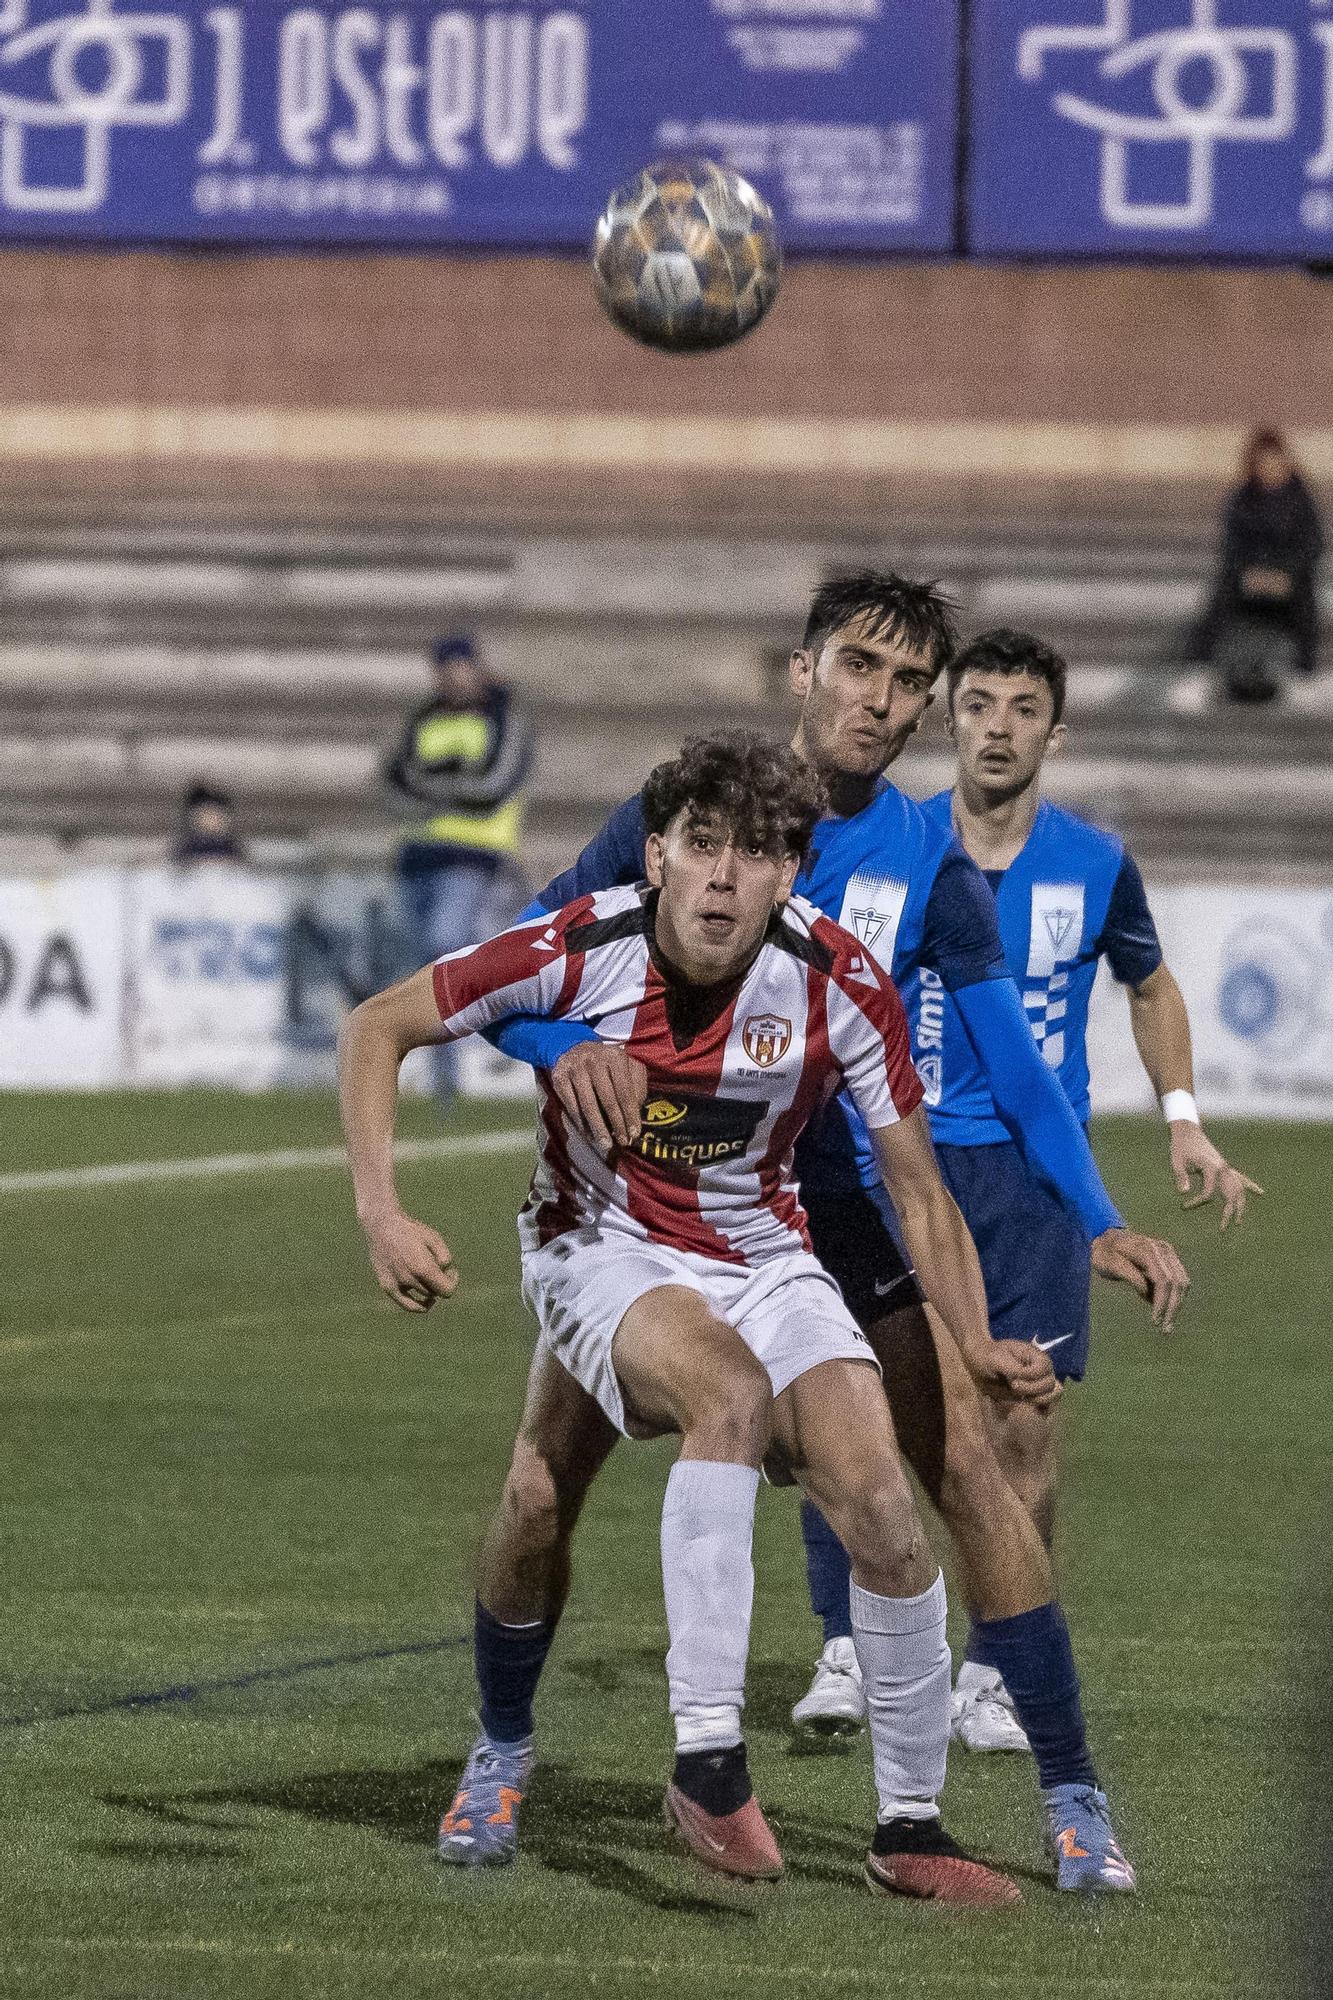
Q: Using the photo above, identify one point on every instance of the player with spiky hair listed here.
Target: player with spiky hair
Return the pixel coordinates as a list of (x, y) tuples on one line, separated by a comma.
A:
[(873, 647), (675, 1290), (1067, 896)]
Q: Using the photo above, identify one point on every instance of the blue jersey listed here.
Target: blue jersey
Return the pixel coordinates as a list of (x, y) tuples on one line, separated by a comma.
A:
[(1070, 897), (897, 878), (904, 886)]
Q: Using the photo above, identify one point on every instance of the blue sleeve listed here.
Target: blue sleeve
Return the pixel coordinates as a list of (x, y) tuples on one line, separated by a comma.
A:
[(1031, 1103), (960, 936), (611, 859), (1129, 936), (532, 1039)]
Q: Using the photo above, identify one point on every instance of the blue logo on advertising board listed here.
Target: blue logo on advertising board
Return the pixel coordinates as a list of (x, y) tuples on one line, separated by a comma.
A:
[(1175, 126)]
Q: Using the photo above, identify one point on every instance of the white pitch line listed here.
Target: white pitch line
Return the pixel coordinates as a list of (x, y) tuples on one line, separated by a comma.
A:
[(138, 1173)]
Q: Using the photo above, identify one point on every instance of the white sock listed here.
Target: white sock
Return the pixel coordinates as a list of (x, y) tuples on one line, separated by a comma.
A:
[(905, 1660), (708, 1581)]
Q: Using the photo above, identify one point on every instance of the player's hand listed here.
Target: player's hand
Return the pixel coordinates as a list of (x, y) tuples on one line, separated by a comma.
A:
[(1147, 1263), (1014, 1371), (601, 1089), (1193, 1153), (412, 1262)]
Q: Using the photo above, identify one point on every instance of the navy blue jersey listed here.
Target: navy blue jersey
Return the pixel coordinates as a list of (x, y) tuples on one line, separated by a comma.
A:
[(1071, 897)]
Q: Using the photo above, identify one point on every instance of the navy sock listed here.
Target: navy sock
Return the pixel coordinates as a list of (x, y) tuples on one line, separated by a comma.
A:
[(1033, 1656), (717, 1780), (509, 1660), (829, 1572)]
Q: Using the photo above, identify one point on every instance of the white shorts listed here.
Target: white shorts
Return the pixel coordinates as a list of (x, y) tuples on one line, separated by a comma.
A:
[(788, 1311)]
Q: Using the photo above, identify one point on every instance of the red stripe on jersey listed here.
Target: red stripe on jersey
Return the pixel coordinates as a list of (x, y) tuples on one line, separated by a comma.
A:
[(878, 999), (668, 1207), (569, 986), (559, 1213), (509, 959), (776, 1190)]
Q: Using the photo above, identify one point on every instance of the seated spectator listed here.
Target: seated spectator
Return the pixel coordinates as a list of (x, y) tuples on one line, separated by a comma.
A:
[(1271, 545), (206, 829)]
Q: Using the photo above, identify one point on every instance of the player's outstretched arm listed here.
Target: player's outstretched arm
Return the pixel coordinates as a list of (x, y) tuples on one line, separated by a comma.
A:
[(1161, 1025), (1033, 1107), (946, 1263), (411, 1261), (522, 970)]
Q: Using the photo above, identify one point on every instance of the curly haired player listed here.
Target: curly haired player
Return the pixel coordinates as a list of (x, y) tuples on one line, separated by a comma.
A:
[(675, 1290)]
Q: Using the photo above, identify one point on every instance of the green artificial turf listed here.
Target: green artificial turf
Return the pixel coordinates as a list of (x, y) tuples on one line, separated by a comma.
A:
[(241, 1498)]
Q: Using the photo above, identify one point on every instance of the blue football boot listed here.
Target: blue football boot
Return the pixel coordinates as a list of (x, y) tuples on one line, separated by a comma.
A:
[(480, 1829), (1082, 1841)]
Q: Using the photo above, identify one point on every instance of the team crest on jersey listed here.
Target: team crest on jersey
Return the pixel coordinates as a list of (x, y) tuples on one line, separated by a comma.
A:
[(1059, 924), (868, 924), (767, 1038), (660, 1111)]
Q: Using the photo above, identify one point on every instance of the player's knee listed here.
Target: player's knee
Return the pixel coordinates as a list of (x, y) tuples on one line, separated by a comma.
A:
[(1024, 1449), (881, 1528), (731, 1410), (533, 1500)]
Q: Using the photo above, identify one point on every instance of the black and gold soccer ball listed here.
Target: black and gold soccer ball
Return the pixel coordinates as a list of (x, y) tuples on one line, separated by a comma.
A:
[(686, 256)]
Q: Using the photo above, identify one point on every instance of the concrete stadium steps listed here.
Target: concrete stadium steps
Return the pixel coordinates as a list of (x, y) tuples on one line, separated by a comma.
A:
[(574, 662), (265, 591), (86, 783), (133, 661), (90, 785)]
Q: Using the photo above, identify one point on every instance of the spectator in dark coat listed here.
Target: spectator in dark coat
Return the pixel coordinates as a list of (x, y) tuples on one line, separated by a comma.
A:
[(1271, 545), (206, 829)]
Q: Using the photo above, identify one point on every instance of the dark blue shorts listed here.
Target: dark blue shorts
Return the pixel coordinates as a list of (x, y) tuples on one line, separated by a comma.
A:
[(856, 1238), (1034, 1257)]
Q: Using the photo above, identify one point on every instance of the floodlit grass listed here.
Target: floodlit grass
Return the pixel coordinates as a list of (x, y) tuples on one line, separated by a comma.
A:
[(240, 1504)]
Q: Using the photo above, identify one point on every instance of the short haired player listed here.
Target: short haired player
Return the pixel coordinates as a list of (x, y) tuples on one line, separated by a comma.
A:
[(873, 646), (674, 1285), (1068, 896)]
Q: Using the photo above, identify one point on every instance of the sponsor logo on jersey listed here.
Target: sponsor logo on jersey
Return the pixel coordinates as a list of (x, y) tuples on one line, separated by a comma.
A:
[(930, 1069), (767, 1038), (687, 1133), (661, 1111)]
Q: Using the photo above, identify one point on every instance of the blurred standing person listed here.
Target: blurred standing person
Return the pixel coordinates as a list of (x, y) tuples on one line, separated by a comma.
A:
[(206, 828), (455, 780), (1271, 544)]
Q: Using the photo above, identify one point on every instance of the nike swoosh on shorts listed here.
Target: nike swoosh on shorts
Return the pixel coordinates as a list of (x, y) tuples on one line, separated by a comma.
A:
[(1045, 1346)]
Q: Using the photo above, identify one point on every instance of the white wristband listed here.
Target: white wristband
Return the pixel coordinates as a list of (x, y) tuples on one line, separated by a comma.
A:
[(1178, 1107)]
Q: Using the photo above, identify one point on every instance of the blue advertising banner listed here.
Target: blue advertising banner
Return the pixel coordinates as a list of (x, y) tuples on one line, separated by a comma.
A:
[(1169, 127), (490, 122)]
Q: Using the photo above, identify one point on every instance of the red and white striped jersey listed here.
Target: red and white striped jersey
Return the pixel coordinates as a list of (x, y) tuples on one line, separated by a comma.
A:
[(734, 1073)]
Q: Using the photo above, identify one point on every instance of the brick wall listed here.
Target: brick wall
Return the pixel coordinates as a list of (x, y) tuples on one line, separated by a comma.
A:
[(128, 337)]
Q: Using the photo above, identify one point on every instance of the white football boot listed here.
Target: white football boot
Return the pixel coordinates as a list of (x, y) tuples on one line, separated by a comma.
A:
[(983, 1711), (836, 1703)]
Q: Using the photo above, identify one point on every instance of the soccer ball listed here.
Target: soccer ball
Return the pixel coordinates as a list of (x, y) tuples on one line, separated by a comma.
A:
[(686, 256)]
